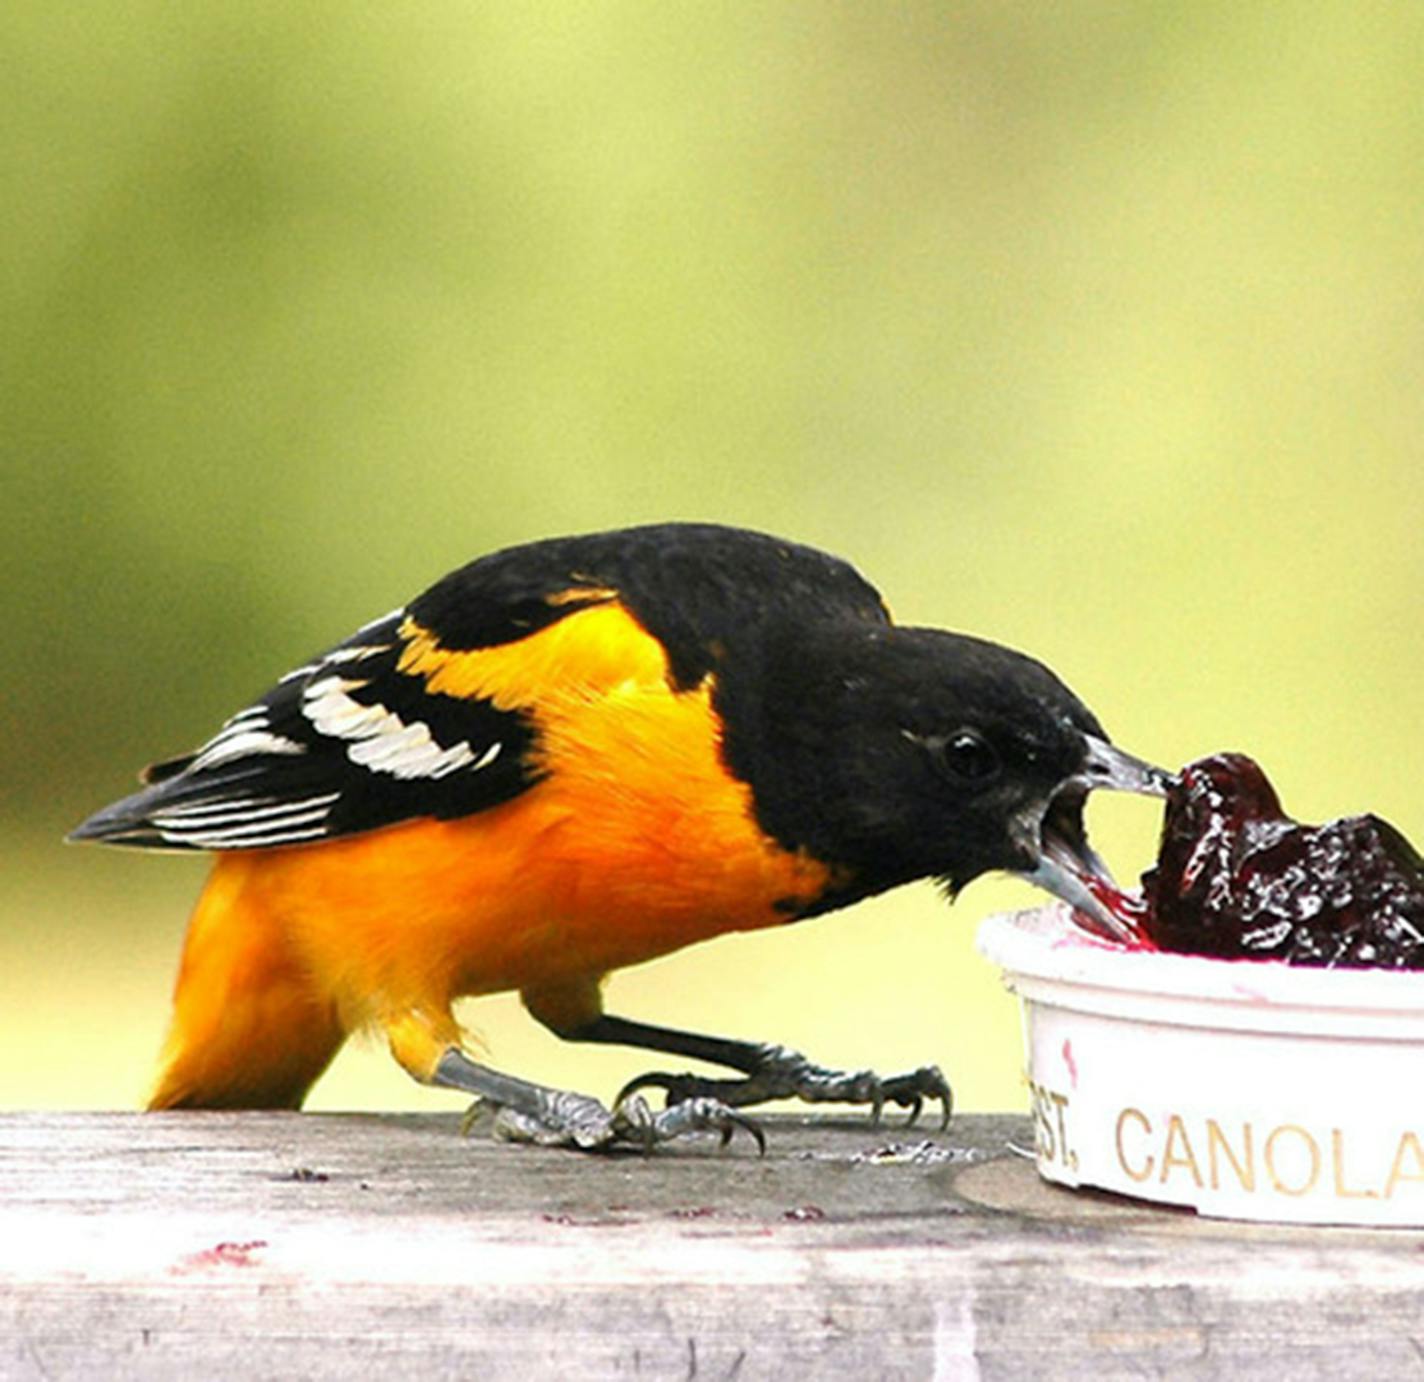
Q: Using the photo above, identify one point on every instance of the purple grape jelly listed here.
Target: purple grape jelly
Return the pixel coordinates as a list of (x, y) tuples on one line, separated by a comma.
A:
[(1235, 877)]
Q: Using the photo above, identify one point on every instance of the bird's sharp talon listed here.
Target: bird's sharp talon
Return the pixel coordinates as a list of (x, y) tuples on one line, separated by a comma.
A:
[(653, 1079)]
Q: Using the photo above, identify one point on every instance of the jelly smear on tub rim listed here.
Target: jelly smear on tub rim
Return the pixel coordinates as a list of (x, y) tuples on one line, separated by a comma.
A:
[(1130, 910)]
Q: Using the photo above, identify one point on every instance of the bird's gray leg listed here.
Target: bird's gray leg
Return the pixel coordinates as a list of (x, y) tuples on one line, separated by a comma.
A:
[(771, 1072), (528, 1112)]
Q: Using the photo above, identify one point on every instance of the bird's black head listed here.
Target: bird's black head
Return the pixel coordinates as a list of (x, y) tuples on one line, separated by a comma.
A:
[(902, 753)]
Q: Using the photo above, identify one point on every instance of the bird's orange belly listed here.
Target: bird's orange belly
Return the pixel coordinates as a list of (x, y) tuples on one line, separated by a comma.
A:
[(635, 844)]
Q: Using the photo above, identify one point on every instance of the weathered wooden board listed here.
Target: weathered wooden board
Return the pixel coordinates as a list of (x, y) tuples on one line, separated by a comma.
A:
[(315, 1246)]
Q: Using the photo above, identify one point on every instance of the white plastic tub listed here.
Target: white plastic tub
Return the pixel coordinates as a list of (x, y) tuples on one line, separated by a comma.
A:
[(1242, 1089)]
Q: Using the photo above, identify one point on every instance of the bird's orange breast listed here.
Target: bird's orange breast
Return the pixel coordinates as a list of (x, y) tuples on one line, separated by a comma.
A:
[(634, 843)]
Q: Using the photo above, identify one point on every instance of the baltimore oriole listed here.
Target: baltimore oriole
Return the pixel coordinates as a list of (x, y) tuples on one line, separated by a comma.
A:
[(576, 755)]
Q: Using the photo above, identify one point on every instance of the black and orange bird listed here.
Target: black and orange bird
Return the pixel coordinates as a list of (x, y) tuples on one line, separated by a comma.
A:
[(576, 755)]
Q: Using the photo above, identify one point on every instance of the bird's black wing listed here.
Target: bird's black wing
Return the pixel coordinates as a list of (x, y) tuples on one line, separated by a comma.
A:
[(346, 743), (369, 734)]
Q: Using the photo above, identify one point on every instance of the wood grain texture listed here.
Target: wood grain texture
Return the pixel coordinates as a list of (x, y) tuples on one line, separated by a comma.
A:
[(315, 1246)]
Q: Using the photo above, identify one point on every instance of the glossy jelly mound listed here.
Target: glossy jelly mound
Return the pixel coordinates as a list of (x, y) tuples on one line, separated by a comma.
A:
[(1237, 878)]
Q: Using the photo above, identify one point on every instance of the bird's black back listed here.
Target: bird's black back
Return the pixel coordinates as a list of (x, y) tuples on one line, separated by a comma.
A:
[(696, 587)]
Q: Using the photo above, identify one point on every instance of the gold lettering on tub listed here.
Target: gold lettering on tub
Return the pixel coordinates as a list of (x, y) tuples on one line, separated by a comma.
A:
[(1244, 1166), (1288, 1160), (1397, 1172), (1177, 1151), (1050, 1126), (1337, 1163), (1141, 1128), (1279, 1157)]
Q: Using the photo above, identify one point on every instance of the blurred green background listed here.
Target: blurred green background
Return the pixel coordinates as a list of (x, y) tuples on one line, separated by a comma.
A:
[(1095, 329)]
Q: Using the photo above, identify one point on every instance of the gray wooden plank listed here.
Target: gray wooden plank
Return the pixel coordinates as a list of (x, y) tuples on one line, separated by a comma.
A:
[(291, 1245)]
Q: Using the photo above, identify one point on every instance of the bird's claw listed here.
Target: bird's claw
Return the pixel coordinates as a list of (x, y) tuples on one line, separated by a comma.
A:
[(786, 1074), (688, 1116), (566, 1119)]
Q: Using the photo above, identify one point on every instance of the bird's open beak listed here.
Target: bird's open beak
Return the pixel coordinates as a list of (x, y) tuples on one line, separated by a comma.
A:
[(1066, 865)]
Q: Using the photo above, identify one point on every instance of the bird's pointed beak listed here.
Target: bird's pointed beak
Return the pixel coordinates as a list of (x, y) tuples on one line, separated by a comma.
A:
[(1108, 766), (1066, 865)]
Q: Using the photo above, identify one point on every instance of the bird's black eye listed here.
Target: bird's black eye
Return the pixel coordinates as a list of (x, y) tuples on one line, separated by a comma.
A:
[(966, 756)]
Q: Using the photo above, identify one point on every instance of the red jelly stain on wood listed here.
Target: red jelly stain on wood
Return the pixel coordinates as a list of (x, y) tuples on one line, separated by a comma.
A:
[(219, 1256)]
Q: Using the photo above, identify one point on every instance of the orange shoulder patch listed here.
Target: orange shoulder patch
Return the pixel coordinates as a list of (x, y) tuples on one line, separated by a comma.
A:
[(588, 652)]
